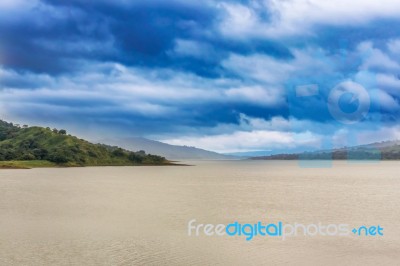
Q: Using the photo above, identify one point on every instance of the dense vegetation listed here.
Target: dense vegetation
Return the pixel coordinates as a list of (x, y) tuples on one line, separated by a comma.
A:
[(55, 146)]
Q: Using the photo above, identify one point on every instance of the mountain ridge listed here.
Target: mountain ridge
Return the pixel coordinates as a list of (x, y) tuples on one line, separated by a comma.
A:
[(384, 150), (171, 152)]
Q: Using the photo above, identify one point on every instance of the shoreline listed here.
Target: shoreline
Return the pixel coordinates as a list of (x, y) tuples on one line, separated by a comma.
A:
[(6, 165)]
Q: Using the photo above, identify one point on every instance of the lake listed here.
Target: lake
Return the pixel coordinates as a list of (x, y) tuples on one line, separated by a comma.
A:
[(140, 215)]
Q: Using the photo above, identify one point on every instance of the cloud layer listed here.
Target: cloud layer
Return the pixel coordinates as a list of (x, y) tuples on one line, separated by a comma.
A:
[(222, 75)]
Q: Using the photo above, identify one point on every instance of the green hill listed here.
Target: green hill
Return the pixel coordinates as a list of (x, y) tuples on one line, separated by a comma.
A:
[(25, 147)]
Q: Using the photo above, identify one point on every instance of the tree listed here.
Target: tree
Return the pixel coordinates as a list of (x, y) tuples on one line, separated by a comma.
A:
[(28, 156), (58, 157), (40, 154), (134, 157), (55, 130), (10, 154), (118, 152), (141, 153), (62, 132)]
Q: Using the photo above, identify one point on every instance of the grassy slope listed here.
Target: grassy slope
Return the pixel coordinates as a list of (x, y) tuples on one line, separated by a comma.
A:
[(42, 147), (26, 164)]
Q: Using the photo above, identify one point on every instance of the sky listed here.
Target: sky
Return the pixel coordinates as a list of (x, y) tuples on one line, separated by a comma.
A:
[(227, 76)]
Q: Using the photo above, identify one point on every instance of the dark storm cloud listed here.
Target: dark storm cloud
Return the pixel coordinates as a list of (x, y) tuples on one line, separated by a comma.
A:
[(53, 38)]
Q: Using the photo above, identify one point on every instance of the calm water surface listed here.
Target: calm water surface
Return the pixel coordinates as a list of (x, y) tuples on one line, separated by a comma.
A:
[(139, 215)]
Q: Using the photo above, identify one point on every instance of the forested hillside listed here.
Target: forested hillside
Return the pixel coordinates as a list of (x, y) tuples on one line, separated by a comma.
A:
[(56, 146)]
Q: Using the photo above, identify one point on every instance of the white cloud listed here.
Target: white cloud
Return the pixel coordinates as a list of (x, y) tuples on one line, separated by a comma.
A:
[(384, 133), (269, 70), (250, 141), (389, 83), (263, 96), (297, 17), (240, 20), (394, 46), (152, 93), (375, 59), (386, 102), (259, 67), (253, 134), (195, 49)]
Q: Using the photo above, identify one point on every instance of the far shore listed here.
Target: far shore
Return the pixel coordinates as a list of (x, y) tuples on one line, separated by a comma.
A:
[(48, 164)]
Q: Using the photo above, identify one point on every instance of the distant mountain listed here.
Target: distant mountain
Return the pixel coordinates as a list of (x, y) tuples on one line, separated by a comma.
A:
[(247, 154), (386, 150), (55, 147), (171, 152)]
